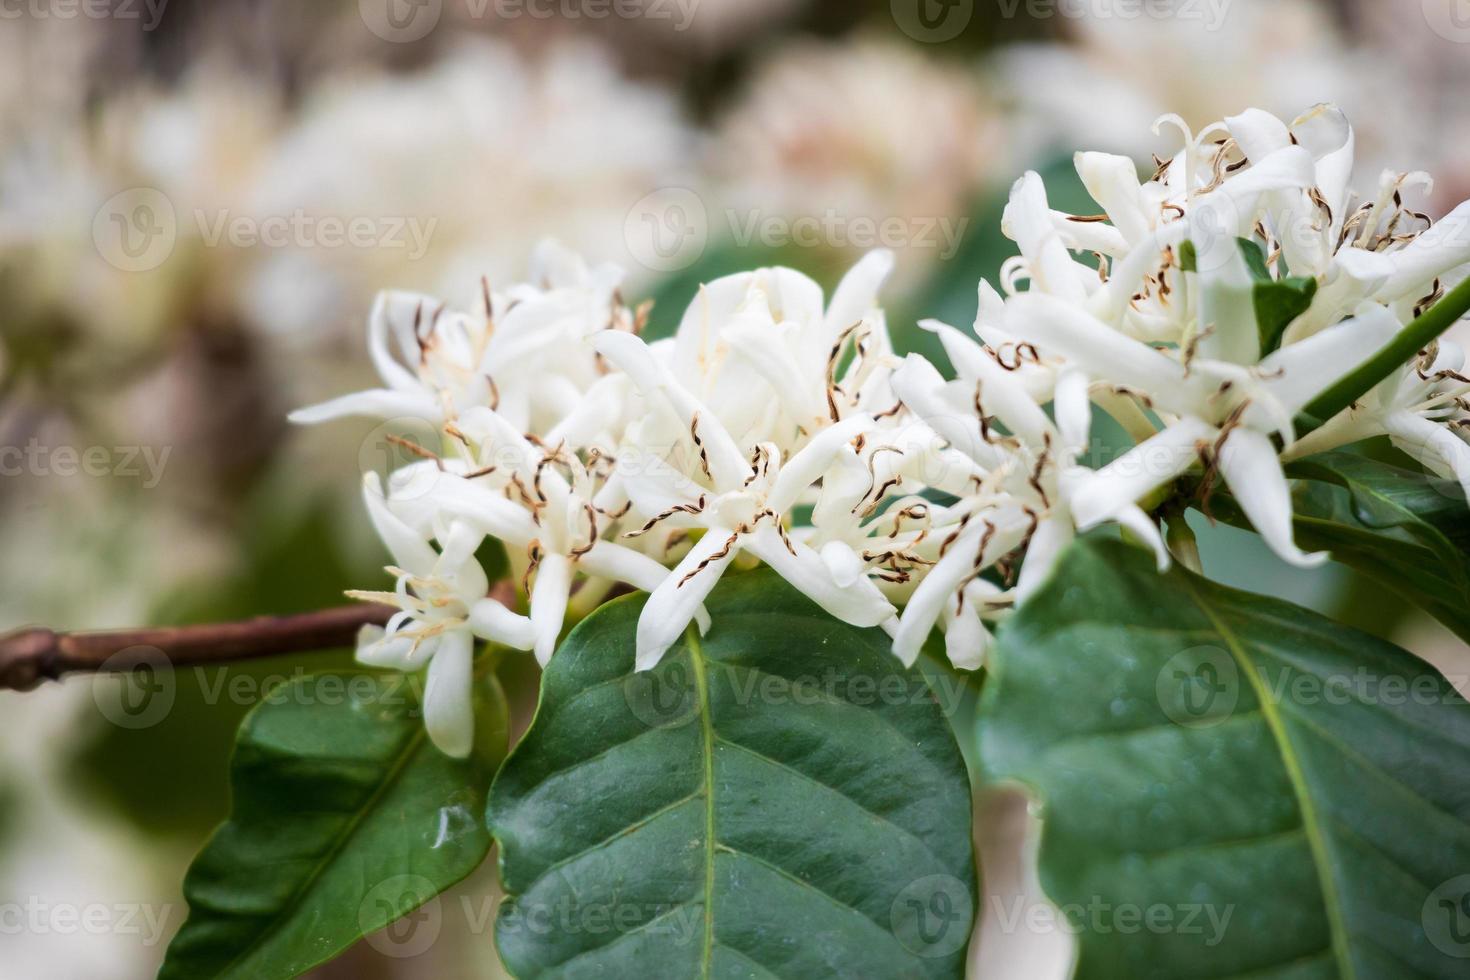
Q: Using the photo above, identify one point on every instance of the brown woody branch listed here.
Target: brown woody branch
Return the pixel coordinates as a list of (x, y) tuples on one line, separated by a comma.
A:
[(30, 656)]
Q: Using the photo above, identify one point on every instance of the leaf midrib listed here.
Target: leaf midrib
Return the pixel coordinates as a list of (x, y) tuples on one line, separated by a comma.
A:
[(411, 746), (707, 750), (1311, 822)]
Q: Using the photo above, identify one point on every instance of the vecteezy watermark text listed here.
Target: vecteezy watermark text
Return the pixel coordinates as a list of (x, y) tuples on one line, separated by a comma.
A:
[(150, 12), (145, 463), (37, 917), (300, 229), (1102, 917), (137, 230), (1211, 13), (406, 21)]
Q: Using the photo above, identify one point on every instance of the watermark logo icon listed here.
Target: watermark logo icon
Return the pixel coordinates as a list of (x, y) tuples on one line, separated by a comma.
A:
[(665, 697), (667, 230), (401, 21), (1446, 917), (135, 687), (393, 447), (136, 230), (930, 916), (410, 903), (932, 21), (1450, 19), (1198, 687)]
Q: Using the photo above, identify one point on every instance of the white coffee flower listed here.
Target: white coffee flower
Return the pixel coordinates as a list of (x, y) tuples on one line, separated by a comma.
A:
[(523, 352), (775, 427), (746, 412), (1174, 272), (443, 607)]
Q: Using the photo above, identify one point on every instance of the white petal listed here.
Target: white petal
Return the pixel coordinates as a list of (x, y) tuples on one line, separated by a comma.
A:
[(1249, 464), (857, 294), (1138, 472), (457, 547), (1052, 535), (1409, 271), (844, 486), (608, 560), (798, 473), (449, 713), (631, 355), (549, 597), (965, 638), (1259, 133), (1432, 445), (395, 312), (791, 295), (1113, 183), (1001, 392), (596, 411), (555, 264), (409, 549), (698, 335), (1325, 132), (675, 602), (859, 604), (761, 348), (921, 388), (1028, 222), (1111, 302), (1137, 523), (927, 602), (375, 648), (1311, 366), (1098, 349), (492, 513), (1227, 307), (843, 563), (490, 620), (1073, 407), (376, 403)]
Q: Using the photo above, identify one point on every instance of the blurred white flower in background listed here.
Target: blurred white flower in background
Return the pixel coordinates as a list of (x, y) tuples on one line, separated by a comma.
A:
[(482, 152), (1123, 66), (72, 198), (868, 129)]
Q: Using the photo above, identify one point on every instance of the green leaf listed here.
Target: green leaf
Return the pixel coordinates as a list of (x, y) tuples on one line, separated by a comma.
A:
[(345, 818), (1277, 301), (1255, 259), (779, 798), (1409, 531), (1188, 256), (1232, 785)]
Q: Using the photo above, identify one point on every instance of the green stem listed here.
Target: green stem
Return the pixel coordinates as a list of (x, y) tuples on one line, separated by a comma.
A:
[(1418, 335)]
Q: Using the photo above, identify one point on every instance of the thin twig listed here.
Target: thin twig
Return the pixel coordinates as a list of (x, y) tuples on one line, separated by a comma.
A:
[(31, 656)]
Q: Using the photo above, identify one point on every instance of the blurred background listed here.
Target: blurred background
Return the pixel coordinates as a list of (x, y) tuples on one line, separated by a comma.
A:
[(198, 201)]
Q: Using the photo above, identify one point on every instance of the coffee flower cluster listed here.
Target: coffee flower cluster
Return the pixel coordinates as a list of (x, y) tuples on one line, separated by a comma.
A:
[(778, 426)]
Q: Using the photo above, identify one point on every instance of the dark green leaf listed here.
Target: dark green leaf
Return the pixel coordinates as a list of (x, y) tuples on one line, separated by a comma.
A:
[(1408, 531), (1255, 260), (344, 819), (1232, 785), (1188, 256), (1278, 303), (779, 798)]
